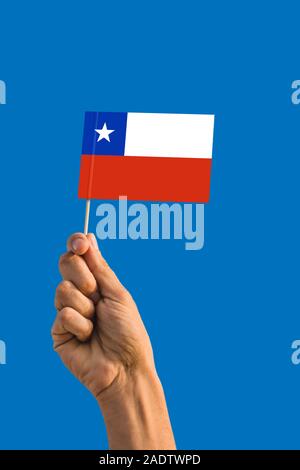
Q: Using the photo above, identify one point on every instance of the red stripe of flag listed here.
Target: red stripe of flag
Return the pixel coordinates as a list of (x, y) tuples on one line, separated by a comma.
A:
[(165, 179)]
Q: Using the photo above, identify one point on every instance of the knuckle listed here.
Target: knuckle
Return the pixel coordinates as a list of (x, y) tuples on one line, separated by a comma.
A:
[(88, 286), (66, 315), (88, 328), (53, 332), (75, 260), (123, 294), (86, 331), (64, 288), (63, 260), (88, 309), (69, 259)]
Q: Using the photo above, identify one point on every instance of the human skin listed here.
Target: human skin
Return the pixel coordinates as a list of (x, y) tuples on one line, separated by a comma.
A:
[(100, 337)]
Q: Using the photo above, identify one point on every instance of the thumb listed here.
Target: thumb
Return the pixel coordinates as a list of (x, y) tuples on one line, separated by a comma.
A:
[(108, 283), (78, 243)]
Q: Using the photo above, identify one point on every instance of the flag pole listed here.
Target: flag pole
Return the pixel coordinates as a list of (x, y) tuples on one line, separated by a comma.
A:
[(87, 216)]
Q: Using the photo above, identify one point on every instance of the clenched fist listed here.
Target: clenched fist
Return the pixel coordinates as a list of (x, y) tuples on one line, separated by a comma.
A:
[(100, 337)]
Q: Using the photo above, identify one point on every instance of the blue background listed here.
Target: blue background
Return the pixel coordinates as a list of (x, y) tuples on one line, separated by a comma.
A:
[(221, 319)]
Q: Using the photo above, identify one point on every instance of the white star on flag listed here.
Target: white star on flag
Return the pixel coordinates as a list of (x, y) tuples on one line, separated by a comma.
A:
[(104, 133)]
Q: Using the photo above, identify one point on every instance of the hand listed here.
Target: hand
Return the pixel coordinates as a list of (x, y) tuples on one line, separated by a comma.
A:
[(98, 332), (100, 337)]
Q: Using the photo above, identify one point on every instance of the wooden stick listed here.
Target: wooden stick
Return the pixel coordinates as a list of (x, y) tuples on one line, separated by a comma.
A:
[(87, 216)]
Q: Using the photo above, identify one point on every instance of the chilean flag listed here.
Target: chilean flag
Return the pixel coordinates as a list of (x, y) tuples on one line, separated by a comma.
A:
[(146, 156)]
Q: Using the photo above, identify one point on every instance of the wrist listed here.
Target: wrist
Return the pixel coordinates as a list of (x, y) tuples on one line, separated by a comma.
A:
[(135, 412), (124, 384)]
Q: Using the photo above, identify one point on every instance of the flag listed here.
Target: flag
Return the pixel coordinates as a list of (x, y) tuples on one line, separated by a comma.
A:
[(146, 156)]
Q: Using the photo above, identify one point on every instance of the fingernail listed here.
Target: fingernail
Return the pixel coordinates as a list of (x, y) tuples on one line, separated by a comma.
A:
[(76, 244), (94, 241)]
